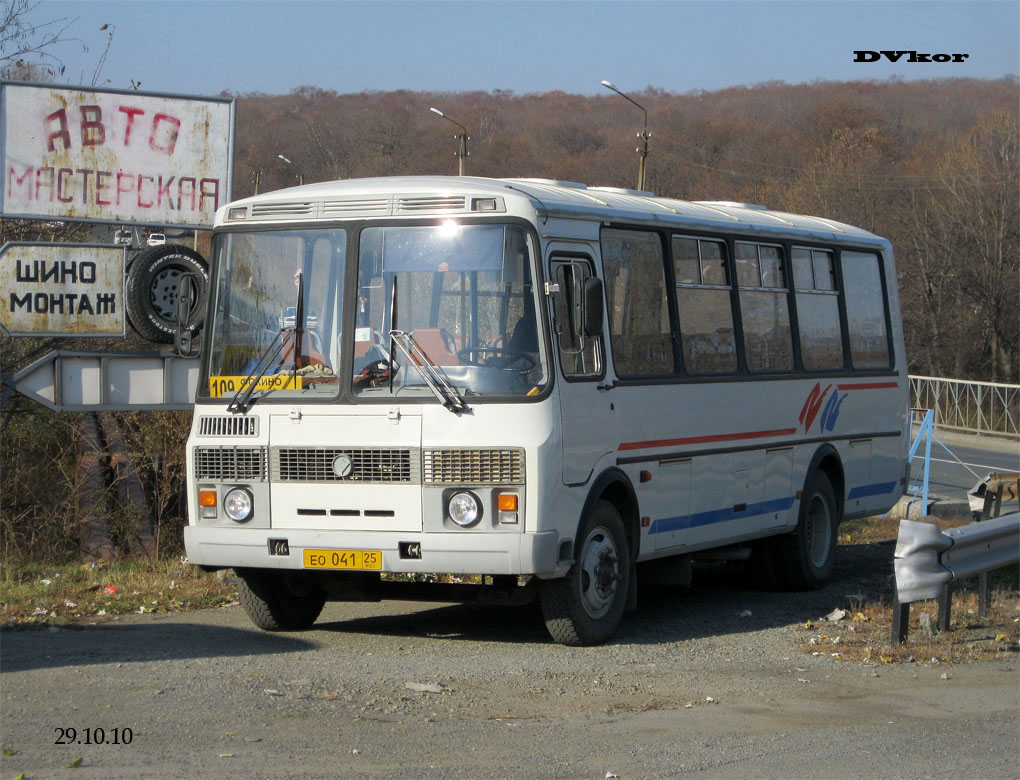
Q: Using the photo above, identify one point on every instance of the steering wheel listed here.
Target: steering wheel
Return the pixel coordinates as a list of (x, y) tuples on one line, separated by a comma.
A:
[(472, 356)]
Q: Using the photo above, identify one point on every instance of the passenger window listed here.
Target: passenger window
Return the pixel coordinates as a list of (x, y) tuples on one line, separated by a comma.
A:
[(639, 325), (761, 276), (821, 336), (865, 310), (580, 356), (703, 303)]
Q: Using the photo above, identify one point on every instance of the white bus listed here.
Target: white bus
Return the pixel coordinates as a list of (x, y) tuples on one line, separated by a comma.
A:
[(549, 385)]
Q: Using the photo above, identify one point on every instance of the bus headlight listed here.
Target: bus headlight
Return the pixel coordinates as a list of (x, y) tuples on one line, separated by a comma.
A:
[(238, 505), (464, 509)]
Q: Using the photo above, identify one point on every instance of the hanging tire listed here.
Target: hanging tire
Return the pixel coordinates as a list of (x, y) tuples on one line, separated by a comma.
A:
[(280, 600), (150, 294), (585, 607), (806, 557)]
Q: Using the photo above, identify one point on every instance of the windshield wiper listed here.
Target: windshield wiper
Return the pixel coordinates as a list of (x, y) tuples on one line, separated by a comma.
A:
[(429, 371), (239, 403)]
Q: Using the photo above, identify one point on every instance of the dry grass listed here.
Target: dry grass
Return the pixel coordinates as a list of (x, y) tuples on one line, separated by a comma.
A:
[(37, 595), (864, 633)]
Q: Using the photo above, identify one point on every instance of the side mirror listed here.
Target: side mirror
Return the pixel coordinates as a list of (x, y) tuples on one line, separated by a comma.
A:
[(186, 298), (593, 308)]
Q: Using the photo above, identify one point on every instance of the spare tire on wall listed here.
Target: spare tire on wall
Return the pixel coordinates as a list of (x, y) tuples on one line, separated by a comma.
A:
[(150, 297)]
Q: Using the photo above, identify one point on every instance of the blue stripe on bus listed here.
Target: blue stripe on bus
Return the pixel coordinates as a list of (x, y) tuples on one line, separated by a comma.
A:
[(668, 524), (878, 489)]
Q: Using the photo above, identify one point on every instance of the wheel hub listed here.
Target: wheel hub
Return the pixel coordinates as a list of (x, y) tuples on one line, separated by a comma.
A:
[(163, 293), (600, 573)]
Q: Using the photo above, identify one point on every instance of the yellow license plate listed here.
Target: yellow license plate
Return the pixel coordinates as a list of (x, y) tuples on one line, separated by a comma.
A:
[(343, 559)]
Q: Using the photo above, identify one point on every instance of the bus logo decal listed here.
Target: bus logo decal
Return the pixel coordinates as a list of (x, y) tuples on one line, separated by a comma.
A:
[(343, 466), (831, 412), (809, 411)]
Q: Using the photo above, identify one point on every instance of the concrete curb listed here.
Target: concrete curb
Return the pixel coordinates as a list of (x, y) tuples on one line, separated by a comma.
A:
[(909, 508)]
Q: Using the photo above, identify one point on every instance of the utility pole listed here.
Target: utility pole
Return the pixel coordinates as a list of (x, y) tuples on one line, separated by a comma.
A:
[(300, 175), (644, 135), (462, 136)]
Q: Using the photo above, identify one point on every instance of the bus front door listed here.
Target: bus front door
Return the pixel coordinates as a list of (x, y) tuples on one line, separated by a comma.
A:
[(588, 422)]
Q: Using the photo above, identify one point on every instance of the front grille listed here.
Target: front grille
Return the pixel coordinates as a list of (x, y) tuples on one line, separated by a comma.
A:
[(474, 467), (229, 425), (315, 464), (230, 464)]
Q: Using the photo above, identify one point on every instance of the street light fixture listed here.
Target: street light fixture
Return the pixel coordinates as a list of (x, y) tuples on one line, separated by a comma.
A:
[(461, 136), (301, 176), (644, 135)]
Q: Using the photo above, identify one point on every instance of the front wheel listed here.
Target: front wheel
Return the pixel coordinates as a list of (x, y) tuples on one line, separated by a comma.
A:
[(585, 607), (805, 559), (280, 601)]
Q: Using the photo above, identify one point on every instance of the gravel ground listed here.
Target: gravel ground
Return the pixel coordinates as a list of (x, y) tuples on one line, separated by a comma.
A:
[(692, 686)]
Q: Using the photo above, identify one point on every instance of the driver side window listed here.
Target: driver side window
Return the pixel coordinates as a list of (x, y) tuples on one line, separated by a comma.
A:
[(580, 355)]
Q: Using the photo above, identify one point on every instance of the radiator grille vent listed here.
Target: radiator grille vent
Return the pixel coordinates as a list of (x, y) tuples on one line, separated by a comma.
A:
[(474, 467), (281, 210), (316, 464), (359, 206), (232, 425), (431, 203), (230, 464)]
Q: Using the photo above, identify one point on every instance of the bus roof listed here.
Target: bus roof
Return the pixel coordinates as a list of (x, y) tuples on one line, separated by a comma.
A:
[(436, 196)]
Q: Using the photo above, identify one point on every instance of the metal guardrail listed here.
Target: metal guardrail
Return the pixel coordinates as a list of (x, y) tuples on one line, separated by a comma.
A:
[(928, 562), (974, 407)]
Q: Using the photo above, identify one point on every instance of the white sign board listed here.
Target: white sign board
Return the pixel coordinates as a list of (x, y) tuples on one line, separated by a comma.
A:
[(73, 153), (62, 289)]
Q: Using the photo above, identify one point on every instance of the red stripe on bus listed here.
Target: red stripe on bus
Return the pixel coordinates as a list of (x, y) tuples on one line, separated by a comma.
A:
[(872, 386), (640, 445)]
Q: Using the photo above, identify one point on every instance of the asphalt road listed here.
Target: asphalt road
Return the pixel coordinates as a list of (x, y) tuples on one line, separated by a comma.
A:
[(948, 477), (709, 682)]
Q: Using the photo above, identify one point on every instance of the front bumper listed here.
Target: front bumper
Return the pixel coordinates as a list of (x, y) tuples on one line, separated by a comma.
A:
[(446, 553)]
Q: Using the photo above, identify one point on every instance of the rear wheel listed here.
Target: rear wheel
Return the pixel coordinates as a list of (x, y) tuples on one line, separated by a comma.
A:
[(280, 601), (806, 557), (585, 607)]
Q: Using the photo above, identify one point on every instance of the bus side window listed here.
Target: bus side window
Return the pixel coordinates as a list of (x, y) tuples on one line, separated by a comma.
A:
[(579, 354), (865, 310)]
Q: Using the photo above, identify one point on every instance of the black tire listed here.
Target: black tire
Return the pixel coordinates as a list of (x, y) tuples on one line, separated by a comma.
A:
[(585, 607), (150, 295), (806, 557), (280, 601)]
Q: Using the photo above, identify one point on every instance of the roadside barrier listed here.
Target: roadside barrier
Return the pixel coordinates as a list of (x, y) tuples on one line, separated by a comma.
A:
[(929, 562)]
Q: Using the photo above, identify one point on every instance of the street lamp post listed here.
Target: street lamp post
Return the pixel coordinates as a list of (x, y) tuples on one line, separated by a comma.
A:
[(301, 176), (462, 136), (644, 135)]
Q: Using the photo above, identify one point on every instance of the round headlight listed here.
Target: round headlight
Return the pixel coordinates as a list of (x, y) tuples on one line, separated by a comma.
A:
[(238, 505), (463, 510)]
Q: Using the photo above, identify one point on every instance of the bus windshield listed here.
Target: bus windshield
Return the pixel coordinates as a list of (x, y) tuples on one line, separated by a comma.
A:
[(458, 298), (257, 334), (460, 294)]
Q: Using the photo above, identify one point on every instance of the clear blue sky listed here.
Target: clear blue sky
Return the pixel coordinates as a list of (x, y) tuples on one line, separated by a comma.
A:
[(202, 48)]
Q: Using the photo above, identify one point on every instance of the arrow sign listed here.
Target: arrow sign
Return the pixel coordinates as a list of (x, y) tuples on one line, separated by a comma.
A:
[(68, 381)]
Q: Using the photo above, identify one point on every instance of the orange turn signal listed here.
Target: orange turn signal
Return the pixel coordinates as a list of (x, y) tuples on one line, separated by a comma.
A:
[(207, 498), (506, 502)]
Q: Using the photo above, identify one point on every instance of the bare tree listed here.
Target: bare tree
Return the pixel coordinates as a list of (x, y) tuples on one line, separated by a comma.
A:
[(27, 47)]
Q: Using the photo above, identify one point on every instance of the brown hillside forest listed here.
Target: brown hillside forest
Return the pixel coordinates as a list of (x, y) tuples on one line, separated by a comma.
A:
[(932, 165)]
